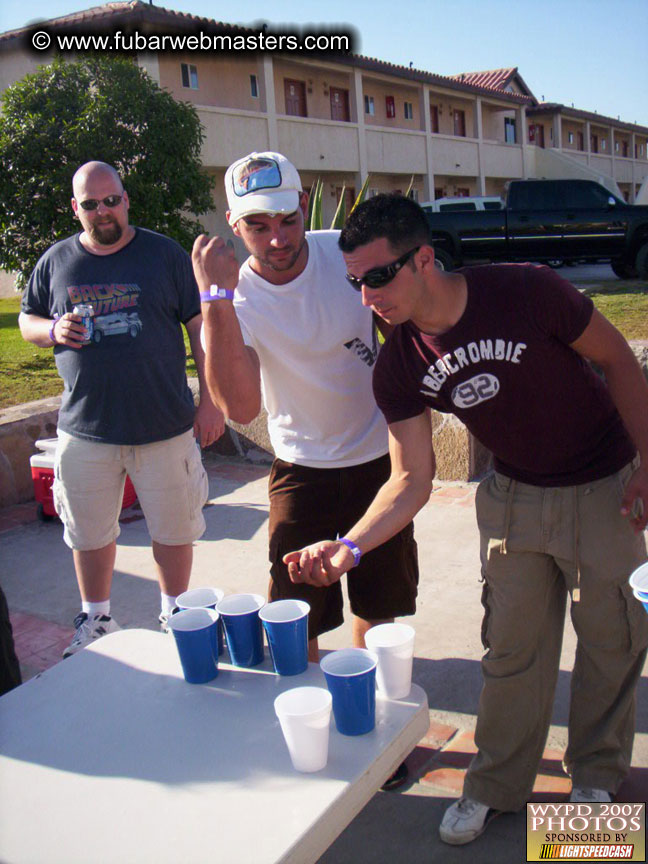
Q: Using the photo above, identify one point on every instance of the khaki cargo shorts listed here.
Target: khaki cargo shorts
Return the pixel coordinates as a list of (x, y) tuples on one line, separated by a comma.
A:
[(168, 476)]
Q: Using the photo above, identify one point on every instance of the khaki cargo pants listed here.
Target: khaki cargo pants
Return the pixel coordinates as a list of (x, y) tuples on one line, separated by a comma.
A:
[(534, 543)]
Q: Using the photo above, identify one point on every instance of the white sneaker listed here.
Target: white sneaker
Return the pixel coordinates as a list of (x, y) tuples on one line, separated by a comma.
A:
[(88, 629), (587, 795), (464, 820)]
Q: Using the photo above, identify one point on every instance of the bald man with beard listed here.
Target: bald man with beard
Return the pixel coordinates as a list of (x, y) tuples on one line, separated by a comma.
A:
[(126, 406)]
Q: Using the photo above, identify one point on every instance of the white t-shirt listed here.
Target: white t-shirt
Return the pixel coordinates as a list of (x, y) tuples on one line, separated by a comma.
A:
[(317, 347)]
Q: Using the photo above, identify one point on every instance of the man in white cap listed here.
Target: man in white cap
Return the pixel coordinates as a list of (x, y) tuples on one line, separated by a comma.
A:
[(296, 335)]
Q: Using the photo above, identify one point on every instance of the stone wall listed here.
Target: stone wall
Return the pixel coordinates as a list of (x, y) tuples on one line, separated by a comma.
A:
[(459, 456)]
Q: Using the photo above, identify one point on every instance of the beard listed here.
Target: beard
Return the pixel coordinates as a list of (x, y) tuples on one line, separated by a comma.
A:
[(105, 233), (282, 264)]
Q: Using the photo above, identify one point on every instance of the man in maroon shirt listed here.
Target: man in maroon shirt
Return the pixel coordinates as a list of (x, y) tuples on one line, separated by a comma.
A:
[(505, 348)]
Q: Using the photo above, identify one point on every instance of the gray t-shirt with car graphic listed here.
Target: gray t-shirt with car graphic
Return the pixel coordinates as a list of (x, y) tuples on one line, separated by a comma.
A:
[(128, 385)]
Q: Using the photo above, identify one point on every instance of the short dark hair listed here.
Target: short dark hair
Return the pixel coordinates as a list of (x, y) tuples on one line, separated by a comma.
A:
[(397, 218)]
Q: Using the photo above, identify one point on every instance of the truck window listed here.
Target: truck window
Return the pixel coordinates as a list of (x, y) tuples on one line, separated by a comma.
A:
[(586, 196), (469, 205), (536, 195), (492, 205)]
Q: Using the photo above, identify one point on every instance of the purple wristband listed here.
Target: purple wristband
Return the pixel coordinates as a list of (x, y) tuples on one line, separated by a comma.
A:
[(357, 554), (51, 330), (216, 293)]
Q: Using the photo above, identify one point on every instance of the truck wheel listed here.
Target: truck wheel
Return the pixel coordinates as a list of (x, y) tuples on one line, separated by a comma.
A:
[(622, 268), (443, 260), (641, 265)]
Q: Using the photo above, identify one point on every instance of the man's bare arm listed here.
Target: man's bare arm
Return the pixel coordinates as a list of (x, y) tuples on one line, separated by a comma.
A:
[(232, 368), (395, 505)]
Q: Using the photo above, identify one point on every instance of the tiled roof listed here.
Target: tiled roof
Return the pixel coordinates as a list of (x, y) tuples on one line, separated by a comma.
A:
[(497, 79), (135, 11), (451, 82), (592, 116), (131, 11)]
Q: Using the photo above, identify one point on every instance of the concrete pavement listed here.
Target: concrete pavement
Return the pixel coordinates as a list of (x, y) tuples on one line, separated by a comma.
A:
[(38, 579)]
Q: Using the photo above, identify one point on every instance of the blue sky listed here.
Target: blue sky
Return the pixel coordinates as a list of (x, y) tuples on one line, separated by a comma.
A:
[(591, 53)]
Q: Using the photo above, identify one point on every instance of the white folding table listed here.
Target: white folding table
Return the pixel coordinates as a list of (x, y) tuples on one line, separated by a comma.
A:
[(110, 756)]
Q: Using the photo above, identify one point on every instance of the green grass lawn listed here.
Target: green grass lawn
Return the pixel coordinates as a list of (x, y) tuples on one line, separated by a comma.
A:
[(29, 373)]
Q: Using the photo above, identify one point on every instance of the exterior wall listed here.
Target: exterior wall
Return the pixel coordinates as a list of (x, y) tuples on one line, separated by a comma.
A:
[(395, 152), (390, 150), (221, 83), (317, 84), (381, 90), (493, 124)]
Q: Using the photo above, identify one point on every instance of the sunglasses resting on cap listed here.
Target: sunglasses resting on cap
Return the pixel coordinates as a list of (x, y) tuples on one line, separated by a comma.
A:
[(378, 277)]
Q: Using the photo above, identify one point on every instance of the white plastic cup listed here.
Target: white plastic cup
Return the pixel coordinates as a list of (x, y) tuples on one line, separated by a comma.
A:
[(305, 716), (393, 644)]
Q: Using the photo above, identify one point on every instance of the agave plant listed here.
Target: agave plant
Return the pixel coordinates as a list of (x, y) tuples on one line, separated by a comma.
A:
[(314, 221)]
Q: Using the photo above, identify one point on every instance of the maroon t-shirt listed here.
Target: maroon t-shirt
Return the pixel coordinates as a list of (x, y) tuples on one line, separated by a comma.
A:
[(507, 371)]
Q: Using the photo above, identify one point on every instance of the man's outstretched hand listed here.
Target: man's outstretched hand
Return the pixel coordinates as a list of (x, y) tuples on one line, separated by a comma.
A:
[(319, 564)]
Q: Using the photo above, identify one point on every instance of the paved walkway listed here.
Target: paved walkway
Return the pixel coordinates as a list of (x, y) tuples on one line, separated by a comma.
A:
[(37, 576)]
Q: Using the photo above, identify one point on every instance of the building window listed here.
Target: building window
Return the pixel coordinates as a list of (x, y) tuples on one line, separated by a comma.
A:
[(616, 146), (254, 87), (189, 76), (390, 107), (604, 144), (409, 111), (370, 108), (434, 118), (509, 130), (570, 137)]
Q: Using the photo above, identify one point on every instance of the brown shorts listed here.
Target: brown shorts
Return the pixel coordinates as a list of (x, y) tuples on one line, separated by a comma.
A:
[(311, 504)]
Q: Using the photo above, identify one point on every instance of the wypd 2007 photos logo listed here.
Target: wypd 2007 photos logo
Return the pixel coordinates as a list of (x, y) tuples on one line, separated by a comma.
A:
[(578, 832)]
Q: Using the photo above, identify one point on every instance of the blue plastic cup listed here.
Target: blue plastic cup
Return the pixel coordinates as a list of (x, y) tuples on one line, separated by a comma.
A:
[(203, 598), (243, 629), (639, 579), (351, 678), (642, 597), (196, 636), (286, 625)]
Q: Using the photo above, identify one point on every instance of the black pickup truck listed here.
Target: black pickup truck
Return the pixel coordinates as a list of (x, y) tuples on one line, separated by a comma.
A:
[(551, 221)]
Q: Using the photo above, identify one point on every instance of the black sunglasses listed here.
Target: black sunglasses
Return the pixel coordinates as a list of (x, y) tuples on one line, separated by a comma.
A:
[(93, 203), (380, 276)]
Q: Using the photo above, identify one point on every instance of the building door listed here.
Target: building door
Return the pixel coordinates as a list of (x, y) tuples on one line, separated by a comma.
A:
[(460, 123), (339, 104), (295, 93), (594, 143), (536, 135)]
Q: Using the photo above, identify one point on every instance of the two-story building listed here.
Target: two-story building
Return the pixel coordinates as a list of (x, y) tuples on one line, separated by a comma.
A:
[(348, 117)]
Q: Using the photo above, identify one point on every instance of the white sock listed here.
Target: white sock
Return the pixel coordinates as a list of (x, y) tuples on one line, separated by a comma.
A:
[(92, 609), (167, 603)]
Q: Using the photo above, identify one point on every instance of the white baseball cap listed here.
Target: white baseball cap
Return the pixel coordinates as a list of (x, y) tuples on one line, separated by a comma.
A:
[(261, 183)]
